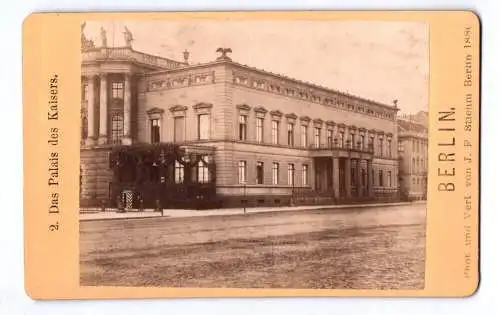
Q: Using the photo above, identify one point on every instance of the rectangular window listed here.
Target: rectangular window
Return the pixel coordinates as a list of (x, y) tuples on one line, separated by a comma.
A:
[(117, 90), (259, 136), (381, 178), (85, 92), (305, 175), (260, 173), (203, 126), (370, 144), (242, 172), (389, 178), (303, 133), (291, 174), (276, 173), (290, 134), (179, 129), (116, 128), (275, 131), (155, 130), (389, 149), (317, 137), (362, 139), (329, 138), (381, 146), (179, 172), (242, 127), (352, 141), (353, 176), (400, 146), (341, 139)]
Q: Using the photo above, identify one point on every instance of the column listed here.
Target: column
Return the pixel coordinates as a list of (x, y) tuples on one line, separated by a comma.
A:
[(359, 178), (103, 110), (90, 112), (347, 178), (127, 108), (369, 170), (336, 177)]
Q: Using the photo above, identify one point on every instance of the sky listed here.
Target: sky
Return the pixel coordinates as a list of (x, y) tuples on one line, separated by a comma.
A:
[(378, 60)]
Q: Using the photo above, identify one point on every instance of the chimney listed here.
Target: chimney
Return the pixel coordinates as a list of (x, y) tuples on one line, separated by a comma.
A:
[(186, 56)]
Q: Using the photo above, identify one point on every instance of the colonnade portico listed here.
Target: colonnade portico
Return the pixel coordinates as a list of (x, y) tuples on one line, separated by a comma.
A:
[(100, 105), (337, 178)]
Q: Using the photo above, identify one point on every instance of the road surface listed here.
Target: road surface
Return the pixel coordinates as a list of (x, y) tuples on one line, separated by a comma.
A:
[(371, 248)]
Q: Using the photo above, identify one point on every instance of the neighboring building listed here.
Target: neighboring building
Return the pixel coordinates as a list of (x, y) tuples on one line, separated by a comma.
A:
[(412, 150), (274, 139)]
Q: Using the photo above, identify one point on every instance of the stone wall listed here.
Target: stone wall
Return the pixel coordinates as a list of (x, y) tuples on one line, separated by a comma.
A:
[(95, 176)]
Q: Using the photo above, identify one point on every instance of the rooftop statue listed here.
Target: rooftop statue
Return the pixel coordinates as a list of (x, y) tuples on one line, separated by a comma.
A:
[(223, 52), (128, 37), (104, 39)]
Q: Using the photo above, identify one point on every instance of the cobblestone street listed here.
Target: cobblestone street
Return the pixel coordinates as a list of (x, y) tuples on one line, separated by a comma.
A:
[(370, 248)]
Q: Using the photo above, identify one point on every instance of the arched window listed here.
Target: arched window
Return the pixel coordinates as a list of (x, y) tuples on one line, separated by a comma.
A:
[(202, 171), (179, 172), (116, 128)]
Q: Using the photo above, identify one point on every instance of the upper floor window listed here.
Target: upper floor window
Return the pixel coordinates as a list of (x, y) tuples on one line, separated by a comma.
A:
[(400, 146), (179, 129), (389, 178), (242, 135), (370, 143), (260, 173), (381, 147), (290, 128), (362, 144), (352, 141), (380, 178), (242, 172), (117, 90), (329, 137), (259, 136), (341, 139), (275, 128), (317, 137), (155, 130), (276, 170), (389, 147), (203, 126), (116, 127), (303, 134)]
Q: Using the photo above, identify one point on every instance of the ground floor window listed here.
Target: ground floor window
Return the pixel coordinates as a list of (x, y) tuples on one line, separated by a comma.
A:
[(276, 170), (381, 178), (242, 172), (202, 171), (305, 175), (179, 172), (260, 172), (291, 174)]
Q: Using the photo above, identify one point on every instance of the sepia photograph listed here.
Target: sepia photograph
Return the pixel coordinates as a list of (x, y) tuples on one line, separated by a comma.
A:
[(231, 153)]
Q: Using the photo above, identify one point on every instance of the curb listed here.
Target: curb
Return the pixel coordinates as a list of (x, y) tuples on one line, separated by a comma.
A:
[(249, 211)]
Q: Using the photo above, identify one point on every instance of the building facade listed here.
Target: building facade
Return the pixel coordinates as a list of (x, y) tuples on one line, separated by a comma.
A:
[(412, 151), (275, 140)]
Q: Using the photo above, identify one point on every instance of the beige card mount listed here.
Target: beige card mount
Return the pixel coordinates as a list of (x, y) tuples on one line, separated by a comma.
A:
[(237, 154)]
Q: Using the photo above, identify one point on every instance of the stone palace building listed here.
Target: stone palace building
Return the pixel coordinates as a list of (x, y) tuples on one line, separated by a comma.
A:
[(274, 140), (412, 151)]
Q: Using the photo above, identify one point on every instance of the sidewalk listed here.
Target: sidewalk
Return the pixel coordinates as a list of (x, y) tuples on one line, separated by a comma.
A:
[(184, 213)]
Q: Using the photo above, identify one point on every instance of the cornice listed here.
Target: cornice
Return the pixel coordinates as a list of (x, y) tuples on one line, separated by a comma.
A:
[(178, 108)]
